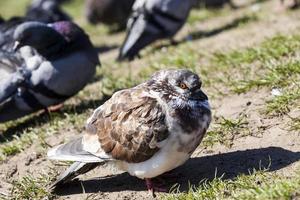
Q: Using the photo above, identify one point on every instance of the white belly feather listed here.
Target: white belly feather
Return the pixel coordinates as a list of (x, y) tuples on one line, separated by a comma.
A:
[(166, 159), (172, 153)]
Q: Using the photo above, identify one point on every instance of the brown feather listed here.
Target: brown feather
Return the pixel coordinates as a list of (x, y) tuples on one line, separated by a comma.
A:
[(130, 125)]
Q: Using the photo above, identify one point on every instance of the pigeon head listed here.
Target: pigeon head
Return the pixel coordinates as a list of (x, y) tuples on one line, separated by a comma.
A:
[(70, 31), (76, 38), (53, 40), (182, 84), (39, 36)]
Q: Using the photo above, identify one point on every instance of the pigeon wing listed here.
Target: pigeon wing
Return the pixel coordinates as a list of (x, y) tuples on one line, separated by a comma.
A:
[(129, 126)]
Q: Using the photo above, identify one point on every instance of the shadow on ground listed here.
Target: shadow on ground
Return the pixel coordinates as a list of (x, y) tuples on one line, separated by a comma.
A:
[(234, 24), (36, 120), (196, 35), (104, 49), (196, 169)]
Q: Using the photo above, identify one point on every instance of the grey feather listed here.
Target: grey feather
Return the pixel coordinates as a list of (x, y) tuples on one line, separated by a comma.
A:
[(73, 171), (152, 20), (73, 151), (10, 84), (61, 61)]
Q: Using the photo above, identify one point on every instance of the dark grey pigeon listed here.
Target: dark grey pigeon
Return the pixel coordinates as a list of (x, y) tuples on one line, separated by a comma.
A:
[(9, 60), (7, 28), (59, 60), (46, 11), (152, 20), (109, 12)]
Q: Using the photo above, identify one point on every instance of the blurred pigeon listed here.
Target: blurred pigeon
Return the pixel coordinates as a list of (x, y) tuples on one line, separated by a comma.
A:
[(109, 12), (7, 28), (1, 19), (289, 4), (146, 130), (152, 20), (46, 11), (9, 60), (59, 60)]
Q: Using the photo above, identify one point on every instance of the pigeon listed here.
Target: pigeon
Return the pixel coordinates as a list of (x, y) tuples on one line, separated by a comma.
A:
[(289, 4), (7, 28), (152, 20), (146, 130), (109, 12), (46, 11), (59, 60)]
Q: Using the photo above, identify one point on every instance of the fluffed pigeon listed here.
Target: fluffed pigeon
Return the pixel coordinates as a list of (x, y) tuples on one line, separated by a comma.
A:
[(59, 60), (152, 20), (109, 12), (146, 130)]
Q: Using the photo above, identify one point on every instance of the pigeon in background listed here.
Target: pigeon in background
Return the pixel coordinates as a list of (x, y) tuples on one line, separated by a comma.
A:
[(9, 60), (152, 20), (289, 4), (46, 11), (146, 130), (59, 60), (109, 12), (7, 28)]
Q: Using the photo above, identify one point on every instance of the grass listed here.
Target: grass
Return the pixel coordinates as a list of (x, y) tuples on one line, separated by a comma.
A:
[(283, 104), (35, 188), (199, 15), (295, 124), (18, 8), (25, 137), (274, 63), (277, 74), (273, 48), (275, 66), (256, 185), (225, 131)]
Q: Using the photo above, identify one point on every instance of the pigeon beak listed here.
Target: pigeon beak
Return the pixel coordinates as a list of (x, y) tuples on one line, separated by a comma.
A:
[(17, 46), (199, 95)]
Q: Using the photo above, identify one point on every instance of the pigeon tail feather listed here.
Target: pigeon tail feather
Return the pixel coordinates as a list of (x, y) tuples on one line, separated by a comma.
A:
[(72, 151), (73, 171), (135, 41)]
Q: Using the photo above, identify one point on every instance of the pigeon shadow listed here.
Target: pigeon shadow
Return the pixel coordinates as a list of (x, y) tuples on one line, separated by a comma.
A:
[(212, 4), (230, 165), (196, 35), (105, 48), (234, 24), (42, 117), (217, 4)]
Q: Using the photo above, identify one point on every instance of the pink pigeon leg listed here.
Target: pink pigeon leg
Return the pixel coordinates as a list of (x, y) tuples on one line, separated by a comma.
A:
[(154, 187)]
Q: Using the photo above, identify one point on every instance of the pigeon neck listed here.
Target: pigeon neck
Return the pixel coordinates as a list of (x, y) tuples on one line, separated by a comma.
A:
[(52, 51)]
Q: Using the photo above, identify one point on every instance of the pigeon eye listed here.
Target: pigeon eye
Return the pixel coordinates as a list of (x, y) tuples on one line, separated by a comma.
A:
[(183, 86)]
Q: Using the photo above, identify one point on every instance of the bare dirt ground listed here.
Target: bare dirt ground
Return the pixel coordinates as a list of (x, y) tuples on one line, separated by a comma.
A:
[(270, 145)]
